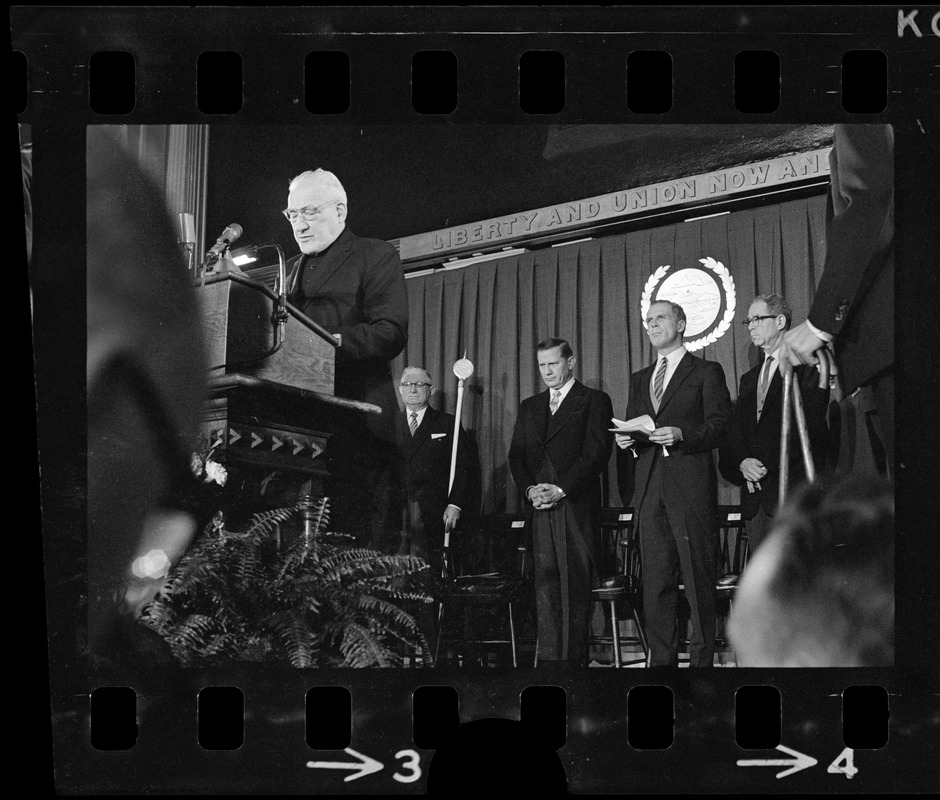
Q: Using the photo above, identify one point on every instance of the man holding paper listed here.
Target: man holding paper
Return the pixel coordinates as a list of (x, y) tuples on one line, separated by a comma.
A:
[(560, 446), (687, 401)]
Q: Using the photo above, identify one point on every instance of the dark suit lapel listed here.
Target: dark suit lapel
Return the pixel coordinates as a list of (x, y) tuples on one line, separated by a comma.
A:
[(572, 402), (646, 401), (747, 401), (774, 396), (323, 273), (541, 415), (684, 368)]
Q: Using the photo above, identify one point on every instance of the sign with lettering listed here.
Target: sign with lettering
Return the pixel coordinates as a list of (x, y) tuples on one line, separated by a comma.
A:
[(697, 189)]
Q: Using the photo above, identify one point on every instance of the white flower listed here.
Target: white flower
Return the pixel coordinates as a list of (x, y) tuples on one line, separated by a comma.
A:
[(216, 473)]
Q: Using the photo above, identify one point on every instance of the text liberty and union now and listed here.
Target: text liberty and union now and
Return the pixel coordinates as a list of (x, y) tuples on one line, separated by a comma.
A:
[(695, 189)]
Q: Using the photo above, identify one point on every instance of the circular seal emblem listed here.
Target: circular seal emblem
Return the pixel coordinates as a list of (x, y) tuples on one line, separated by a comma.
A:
[(705, 293)]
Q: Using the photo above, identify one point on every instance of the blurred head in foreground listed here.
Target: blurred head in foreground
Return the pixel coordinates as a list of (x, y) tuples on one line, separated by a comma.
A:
[(145, 384), (820, 590)]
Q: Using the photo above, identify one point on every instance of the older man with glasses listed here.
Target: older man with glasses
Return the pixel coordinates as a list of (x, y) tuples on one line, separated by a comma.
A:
[(426, 438), (355, 288), (750, 457)]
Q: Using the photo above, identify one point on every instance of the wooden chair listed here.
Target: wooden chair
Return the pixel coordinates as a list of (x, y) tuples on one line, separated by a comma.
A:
[(499, 589), (734, 555), (733, 549), (617, 526)]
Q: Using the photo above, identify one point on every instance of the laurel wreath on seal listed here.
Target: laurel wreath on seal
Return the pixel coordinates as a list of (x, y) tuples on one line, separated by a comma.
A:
[(727, 284)]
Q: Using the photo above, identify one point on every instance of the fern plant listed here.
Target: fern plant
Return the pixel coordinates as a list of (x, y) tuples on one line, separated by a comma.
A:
[(285, 589)]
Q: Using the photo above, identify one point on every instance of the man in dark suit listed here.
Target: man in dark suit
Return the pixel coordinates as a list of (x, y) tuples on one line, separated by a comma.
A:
[(355, 288), (676, 486), (560, 446), (854, 303), (751, 456), (426, 439)]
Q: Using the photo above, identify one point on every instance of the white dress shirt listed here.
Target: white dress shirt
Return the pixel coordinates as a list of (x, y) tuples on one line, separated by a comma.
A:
[(563, 391), (419, 412)]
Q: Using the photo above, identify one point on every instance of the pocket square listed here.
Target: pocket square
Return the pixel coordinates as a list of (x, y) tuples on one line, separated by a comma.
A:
[(438, 435)]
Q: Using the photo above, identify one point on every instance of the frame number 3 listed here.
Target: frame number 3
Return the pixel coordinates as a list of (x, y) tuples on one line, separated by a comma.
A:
[(412, 766)]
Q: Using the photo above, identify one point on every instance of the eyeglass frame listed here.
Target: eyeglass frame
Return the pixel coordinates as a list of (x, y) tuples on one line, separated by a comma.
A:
[(414, 385), (758, 318), (300, 211)]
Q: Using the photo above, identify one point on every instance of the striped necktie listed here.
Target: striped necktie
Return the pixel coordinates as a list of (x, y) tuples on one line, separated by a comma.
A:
[(413, 425), (658, 383), (556, 401)]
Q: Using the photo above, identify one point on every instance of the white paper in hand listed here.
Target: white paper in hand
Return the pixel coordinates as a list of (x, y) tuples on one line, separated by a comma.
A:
[(638, 427)]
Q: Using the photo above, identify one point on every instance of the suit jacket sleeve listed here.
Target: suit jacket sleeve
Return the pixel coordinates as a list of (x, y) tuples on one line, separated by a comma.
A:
[(861, 226), (384, 330), (595, 449), (712, 431), (522, 474), (734, 450), (634, 406)]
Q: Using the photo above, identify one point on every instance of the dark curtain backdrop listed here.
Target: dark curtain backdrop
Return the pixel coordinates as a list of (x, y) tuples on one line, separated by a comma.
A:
[(589, 293)]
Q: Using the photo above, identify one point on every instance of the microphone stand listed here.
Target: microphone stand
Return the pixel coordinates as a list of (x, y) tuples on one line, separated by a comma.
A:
[(279, 317)]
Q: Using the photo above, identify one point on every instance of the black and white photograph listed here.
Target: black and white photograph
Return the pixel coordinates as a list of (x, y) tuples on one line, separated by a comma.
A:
[(525, 438)]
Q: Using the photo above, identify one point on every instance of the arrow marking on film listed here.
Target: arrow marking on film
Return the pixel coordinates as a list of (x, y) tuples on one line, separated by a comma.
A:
[(365, 765), (798, 762)]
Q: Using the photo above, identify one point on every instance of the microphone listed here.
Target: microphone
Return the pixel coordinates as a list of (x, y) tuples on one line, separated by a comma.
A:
[(187, 242), (229, 235)]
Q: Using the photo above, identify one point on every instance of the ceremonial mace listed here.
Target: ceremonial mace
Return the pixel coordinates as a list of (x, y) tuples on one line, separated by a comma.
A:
[(463, 369)]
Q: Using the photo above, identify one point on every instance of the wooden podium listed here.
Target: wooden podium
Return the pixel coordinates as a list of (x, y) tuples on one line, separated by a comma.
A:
[(271, 408)]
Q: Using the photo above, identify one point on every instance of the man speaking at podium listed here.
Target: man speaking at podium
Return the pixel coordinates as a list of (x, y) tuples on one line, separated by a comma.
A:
[(355, 288)]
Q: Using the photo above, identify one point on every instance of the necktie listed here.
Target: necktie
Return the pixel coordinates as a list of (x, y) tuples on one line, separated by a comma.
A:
[(658, 383), (765, 376), (413, 425), (556, 401)]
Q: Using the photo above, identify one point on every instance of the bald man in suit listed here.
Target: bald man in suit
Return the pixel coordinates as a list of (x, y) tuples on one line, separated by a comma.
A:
[(355, 288)]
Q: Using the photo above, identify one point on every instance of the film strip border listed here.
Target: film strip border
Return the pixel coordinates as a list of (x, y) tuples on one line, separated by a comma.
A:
[(749, 63), (702, 45), (805, 732)]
